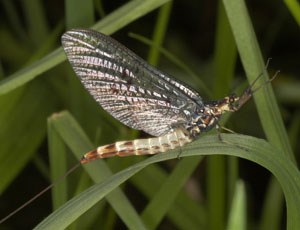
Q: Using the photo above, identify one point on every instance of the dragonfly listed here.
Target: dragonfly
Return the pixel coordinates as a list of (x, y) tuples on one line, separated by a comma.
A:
[(142, 97)]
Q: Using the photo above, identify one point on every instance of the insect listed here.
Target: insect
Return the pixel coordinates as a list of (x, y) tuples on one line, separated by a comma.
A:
[(142, 97)]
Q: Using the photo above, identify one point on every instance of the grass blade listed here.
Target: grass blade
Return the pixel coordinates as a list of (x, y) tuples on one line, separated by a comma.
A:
[(253, 63), (247, 147), (294, 7)]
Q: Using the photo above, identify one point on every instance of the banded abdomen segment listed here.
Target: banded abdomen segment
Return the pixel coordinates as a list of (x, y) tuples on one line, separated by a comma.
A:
[(150, 146)]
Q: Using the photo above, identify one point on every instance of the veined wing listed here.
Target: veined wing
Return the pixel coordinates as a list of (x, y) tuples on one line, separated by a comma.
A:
[(131, 90)]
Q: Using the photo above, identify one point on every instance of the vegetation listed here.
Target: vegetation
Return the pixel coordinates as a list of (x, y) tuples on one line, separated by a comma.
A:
[(47, 118)]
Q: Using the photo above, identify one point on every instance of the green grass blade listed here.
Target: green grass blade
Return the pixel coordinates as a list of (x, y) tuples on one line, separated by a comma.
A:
[(265, 100), (294, 7), (159, 32), (253, 63), (224, 56), (246, 147), (216, 187)]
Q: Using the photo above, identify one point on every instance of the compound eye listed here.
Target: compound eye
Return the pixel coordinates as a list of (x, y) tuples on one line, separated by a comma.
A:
[(232, 98)]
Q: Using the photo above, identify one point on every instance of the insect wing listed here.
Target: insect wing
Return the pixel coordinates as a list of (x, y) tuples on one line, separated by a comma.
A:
[(131, 90)]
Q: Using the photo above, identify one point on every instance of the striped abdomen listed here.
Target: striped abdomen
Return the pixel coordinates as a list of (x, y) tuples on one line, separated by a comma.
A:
[(140, 146)]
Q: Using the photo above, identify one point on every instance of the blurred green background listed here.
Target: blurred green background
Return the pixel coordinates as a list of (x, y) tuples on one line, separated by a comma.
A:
[(198, 49)]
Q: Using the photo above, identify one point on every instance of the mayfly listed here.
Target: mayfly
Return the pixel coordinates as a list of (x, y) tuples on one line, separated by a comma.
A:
[(141, 97)]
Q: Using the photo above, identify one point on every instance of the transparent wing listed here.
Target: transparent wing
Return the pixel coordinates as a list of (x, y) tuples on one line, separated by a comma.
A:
[(126, 86)]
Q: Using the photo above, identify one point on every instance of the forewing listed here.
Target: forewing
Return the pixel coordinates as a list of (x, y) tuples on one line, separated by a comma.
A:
[(126, 86)]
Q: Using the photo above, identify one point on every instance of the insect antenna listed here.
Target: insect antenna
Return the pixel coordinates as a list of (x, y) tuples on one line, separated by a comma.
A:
[(40, 193), (248, 93), (250, 88), (265, 83)]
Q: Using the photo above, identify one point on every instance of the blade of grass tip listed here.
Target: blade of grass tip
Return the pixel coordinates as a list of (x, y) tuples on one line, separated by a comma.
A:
[(238, 212), (253, 64), (159, 32), (294, 8), (249, 148), (111, 23), (77, 141)]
